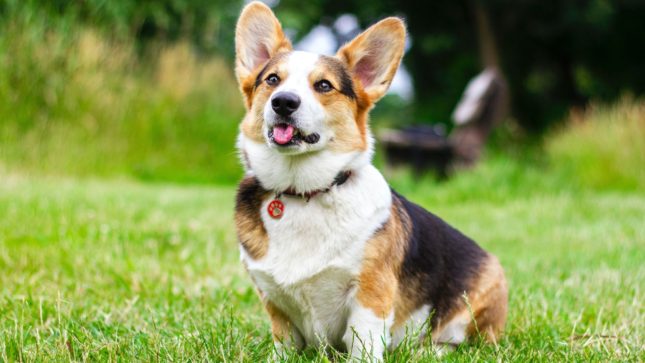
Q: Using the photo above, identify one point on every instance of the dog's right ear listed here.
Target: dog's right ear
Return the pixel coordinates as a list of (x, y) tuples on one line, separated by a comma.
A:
[(258, 37), (375, 55)]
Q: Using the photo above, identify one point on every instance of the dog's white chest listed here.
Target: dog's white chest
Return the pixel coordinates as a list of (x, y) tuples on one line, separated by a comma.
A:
[(315, 253)]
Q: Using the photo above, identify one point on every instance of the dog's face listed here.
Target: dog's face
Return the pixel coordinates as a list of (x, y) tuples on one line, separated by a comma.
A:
[(300, 102)]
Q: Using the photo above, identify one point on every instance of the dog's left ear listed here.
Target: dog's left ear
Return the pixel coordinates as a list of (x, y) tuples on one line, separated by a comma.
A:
[(374, 56), (258, 37)]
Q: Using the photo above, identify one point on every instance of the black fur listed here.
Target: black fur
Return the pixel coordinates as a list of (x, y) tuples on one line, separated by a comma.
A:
[(260, 78), (443, 260), (346, 84), (249, 196)]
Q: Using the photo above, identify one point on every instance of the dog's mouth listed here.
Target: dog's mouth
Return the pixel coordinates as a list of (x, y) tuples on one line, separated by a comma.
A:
[(284, 134)]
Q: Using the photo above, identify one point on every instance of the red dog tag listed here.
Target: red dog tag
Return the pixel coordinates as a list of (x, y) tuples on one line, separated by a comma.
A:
[(275, 209)]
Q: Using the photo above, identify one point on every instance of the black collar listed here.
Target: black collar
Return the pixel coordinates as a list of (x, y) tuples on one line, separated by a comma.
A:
[(339, 180)]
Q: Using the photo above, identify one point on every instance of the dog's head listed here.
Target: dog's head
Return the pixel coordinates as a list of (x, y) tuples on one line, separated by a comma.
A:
[(300, 102)]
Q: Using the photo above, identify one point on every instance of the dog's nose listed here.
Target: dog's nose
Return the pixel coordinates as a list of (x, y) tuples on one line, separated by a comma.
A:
[(285, 103)]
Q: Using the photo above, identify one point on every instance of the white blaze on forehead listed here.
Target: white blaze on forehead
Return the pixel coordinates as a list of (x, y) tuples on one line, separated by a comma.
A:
[(299, 66), (310, 114)]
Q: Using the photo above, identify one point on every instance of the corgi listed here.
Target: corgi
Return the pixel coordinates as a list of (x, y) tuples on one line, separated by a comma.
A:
[(340, 259)]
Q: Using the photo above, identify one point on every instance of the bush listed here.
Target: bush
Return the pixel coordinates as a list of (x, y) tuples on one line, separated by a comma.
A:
[(73, 101), (603, 146)]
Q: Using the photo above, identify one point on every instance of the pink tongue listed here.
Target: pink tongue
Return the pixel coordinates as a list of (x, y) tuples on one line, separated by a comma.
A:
[(282, 134)]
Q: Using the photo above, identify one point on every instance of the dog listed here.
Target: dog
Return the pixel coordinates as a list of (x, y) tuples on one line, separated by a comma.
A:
[(339, 259)]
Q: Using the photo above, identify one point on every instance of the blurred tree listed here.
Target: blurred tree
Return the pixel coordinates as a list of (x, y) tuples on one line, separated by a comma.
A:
[(558, 54), (555, 54), (209, 24)]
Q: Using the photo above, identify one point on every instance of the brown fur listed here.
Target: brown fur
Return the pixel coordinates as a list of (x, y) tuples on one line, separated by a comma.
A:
[(258, 95), (251, 127), (263, 36), (255, 81), (348, 114), (378, 283), (407, 299), (485, 306), (379, 288), (250, 229), (488, 301), (280, 323), (371, 76), (406, 302), (341, 105)]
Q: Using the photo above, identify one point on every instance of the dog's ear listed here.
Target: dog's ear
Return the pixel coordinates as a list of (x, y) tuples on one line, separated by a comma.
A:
[(374, 56), (258, 37)]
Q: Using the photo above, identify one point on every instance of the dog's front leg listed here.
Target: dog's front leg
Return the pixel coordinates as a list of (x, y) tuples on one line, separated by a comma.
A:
[(285, 334), (371, 318)]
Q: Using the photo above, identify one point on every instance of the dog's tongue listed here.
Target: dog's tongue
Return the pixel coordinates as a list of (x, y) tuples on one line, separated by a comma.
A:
[(282, 133)]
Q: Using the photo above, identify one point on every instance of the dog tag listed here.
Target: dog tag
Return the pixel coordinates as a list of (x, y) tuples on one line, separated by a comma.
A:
[(276, 209)]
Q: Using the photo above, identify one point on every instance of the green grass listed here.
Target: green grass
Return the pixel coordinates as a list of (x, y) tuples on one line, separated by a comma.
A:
[(604, 146), (120, 270)]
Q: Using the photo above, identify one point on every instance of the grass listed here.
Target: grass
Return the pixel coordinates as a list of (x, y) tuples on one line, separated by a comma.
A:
[(121, 270), (603, 146)]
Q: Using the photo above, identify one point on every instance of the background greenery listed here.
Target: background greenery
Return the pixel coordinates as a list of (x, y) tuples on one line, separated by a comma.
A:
[(75, 99), (555, 54), (100, 98)]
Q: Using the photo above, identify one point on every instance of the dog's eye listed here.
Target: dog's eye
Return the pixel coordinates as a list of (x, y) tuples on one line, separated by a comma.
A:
[(323, 86), (273, 79)]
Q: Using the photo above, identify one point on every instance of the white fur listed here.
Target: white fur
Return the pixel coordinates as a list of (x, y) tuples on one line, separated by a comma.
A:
[(315, 252), (310, 114), (304, 172), (367, 335), (416, 325), (454, 332), (451, 334)]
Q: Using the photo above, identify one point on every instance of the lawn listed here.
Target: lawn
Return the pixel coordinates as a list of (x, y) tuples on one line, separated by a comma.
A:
[(120, 270)]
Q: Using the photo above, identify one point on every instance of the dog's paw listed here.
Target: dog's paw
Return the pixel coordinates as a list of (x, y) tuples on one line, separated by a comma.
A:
[(278, 354), (441, 349)]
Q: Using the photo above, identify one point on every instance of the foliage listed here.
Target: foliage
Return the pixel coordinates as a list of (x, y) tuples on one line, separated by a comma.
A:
[(77, 102), (603, 147), (559, 54), (206, 23)]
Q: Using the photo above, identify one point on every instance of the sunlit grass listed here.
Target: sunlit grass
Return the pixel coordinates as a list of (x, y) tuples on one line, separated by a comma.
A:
[(118, 270)]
